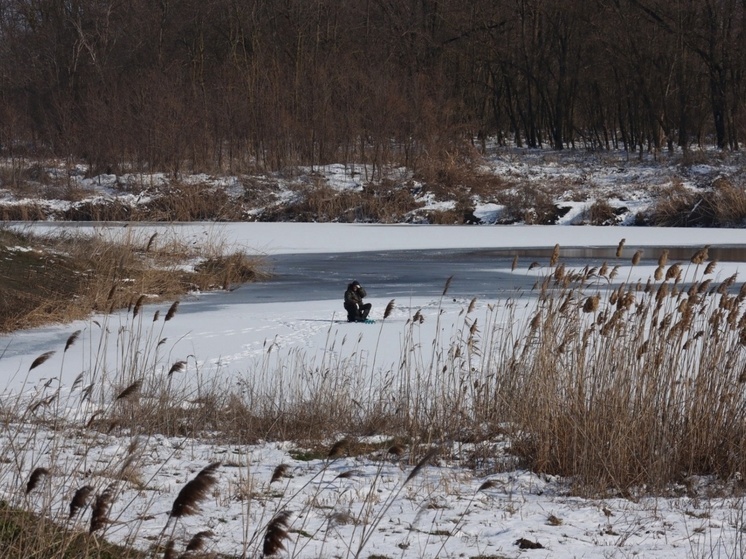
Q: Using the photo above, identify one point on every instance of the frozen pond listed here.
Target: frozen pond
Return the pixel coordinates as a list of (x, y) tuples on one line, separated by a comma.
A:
[(482, 273)]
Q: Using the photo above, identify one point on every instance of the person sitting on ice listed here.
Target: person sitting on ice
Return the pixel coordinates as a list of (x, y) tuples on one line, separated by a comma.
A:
[(357, 311)]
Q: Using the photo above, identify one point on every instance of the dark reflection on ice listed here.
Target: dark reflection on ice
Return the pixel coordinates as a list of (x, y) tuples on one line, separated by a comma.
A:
[(483, 273)]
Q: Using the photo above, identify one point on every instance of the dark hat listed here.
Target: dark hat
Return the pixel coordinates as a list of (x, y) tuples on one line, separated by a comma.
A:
[(355, 282)]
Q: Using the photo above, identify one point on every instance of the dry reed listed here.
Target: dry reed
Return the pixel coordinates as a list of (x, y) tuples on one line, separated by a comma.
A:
[(35, 478), (43, 358), (101, 508), (80, 500), (279, 472), (276, 534), (196, 490)]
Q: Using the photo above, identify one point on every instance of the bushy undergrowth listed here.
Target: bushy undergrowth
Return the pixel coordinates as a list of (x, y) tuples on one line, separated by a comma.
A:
[(528, 204), (58, 279), (24, 535), (376, 203), (386, 195), (722, 205)]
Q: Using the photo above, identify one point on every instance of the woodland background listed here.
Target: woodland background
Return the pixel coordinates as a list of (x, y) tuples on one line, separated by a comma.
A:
[(232, 85)]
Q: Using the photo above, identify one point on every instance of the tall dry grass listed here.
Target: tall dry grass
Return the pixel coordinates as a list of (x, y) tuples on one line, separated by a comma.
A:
[(723, 204), (623, 388), (66, 277)]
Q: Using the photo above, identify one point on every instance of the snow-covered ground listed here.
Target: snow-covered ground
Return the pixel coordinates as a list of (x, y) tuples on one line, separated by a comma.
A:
[(574, 180), (349, 506), (439, 512)]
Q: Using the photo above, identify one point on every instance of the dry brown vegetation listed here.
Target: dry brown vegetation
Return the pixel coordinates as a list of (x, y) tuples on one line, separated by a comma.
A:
[(375, 203), (59, 279), (714, 198), (624, 388), (721, 205), (528, 204), (620, 387), (24, 535)]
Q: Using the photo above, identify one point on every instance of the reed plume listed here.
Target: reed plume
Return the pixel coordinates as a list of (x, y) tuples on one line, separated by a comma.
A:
[(80, 499), (700, 256), (177, 367), (591, 304), (619, 248), (77, 382), (663, 258), (396, 450), (276, 534), (100, 512), (279, 473), (151, 241), (138, 306), (170, 551), (673, 272), (129, 391), (171, 311), (338, 449), (421, 464), (198, 540), (94, 415), (389, 309), (636, 257), (555, 255), (43, 358), (489, 484), (195, 491), (514, 265), (559, 273), (447, 285), (71, 340), (35, 478)]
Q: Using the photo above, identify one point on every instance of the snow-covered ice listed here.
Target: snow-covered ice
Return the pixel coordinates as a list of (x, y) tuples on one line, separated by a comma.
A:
[(440, 512)]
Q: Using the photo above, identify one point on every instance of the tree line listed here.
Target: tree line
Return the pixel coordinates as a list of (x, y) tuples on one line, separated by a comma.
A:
[(227, 84)]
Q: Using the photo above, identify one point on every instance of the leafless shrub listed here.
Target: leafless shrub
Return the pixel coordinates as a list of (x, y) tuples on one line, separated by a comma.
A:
[(600, 212), (24, 212), (673, 207), (528, 204), (381, 203), (722, 205), (192, 202)]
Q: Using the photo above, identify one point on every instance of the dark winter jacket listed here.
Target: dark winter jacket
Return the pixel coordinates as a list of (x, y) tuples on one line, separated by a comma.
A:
[(353, 296)]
